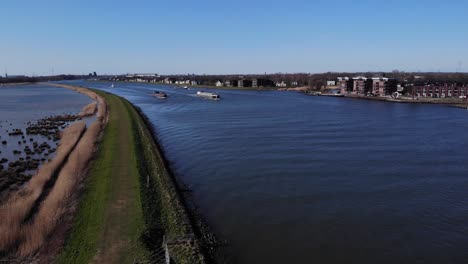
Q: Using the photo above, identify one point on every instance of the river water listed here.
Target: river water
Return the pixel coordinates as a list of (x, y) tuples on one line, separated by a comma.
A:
[(288, 178), (21, 104)]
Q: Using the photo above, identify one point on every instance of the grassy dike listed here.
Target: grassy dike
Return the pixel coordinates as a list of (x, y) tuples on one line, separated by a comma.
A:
[(130, 201)]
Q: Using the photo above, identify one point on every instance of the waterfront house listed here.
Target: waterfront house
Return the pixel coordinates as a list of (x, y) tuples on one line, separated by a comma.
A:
[(441, 91), (378, 86), (219, 84), (359, 85), (254, 83), (281, 84), (342, 83)]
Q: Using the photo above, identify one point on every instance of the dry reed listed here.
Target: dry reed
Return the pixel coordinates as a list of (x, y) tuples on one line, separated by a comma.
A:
[(102, 109), (15, 210), (56, 204), (88, 110), (101, 103), (28, 237)]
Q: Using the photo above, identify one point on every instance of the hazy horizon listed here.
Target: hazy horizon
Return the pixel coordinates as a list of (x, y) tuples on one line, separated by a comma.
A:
[(212, 37)]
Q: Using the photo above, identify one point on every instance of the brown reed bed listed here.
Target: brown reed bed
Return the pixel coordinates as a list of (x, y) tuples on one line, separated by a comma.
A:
[(101, 103), (29, 216), (17, 207), (52, 210), (88, 110)]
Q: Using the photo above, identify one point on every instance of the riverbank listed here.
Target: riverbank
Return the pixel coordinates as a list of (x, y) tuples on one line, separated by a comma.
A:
[(34, 217), (454, 102), (130, 202), (15, 84)]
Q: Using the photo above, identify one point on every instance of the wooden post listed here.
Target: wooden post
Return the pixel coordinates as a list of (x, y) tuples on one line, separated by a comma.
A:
[(166, 251)]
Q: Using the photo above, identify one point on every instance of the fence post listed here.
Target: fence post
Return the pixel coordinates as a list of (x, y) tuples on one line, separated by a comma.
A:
[(166, 251)]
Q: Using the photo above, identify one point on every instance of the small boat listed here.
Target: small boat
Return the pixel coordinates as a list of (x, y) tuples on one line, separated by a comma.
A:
[(208, 95), (186, 87), (112, 86), (314, 93), (159, 94)]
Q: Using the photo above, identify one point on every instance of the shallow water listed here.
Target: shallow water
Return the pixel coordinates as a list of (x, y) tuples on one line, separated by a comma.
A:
[(28, 103), (287, 178)]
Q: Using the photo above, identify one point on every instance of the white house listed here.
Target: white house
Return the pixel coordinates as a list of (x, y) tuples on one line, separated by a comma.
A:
[(281, 84)]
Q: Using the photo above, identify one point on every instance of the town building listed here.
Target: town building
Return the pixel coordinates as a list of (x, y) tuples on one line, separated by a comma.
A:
[(359, 85), (281, 84), (378, 86), (342, 83), (254, 83), (441, 91)]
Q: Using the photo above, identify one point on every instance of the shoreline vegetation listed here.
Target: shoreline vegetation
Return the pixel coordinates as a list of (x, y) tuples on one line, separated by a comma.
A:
[(33, 216), (15, 84), (20, 204)]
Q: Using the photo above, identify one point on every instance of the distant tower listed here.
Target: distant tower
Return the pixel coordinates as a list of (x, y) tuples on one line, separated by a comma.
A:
[(6, 73)]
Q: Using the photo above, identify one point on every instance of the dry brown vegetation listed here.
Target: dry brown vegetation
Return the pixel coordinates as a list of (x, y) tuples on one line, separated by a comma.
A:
[(88, 110), (102, 109), (15, 210), (101, 104), (55, 205), (29, 216)]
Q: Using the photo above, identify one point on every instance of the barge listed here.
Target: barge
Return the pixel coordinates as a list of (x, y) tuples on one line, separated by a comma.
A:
[(159, 94), (208, 95)]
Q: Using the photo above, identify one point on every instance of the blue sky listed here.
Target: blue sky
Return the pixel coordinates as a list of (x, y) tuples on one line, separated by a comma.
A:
[(215, 37)]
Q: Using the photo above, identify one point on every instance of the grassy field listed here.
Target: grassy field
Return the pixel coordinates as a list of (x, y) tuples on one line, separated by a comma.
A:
[(130, 201)]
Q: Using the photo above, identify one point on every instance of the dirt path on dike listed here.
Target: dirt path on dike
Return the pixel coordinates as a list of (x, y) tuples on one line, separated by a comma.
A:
[(117, 242)]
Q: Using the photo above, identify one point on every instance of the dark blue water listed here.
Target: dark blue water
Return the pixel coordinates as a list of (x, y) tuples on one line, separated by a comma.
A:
[(287, 178)]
